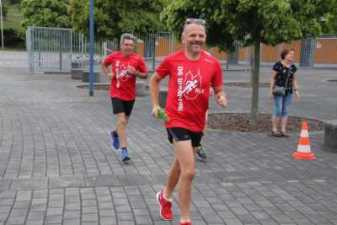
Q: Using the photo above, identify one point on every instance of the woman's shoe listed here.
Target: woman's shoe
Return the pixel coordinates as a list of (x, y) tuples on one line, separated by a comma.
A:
[(276, 134), (284, 134)]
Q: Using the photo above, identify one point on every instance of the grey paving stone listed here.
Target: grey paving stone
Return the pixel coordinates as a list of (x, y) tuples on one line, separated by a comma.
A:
[(57, 166), (92, 217), (34, 222), (71, 222)]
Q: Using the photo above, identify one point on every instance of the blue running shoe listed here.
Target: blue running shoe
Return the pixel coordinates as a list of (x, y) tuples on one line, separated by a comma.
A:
[(124, 156), (114, 139)]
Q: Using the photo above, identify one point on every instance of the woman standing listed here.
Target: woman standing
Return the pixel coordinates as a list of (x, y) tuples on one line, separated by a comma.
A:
[(282, 87)]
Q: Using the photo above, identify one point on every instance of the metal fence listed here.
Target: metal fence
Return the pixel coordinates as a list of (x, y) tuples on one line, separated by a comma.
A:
[(49, 49), (80, 49), (153, 47), (59, 49)]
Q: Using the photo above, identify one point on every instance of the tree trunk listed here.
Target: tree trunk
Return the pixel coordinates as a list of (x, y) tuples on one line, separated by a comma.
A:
[(255, 83)]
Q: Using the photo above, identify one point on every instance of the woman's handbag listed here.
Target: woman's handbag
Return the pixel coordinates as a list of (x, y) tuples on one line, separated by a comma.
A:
[(279, 90)]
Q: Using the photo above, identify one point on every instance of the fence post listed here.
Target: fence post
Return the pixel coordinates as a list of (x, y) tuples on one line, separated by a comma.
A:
[(60, 50), (29, 49)]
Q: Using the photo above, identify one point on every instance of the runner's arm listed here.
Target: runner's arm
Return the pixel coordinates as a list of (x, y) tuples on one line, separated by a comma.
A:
[(220, 95), (106, 71), (139, 70), (154, 90), (140, 75)]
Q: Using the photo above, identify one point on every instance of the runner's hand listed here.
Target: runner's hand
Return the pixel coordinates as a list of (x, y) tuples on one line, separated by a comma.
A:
[(221, 100), (131, 70), (155, 110)]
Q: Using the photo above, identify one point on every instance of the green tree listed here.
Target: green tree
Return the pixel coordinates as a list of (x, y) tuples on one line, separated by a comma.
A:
[(46, 13), (251, 22), (330, 21), (117, 16)]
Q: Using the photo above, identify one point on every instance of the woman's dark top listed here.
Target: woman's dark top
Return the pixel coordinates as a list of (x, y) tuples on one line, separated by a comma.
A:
[(282, 72)]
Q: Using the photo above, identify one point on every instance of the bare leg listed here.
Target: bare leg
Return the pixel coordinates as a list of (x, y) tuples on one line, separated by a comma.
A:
[(275, 122), (172, 179), (185, 158), (122, 121), (284, 122)]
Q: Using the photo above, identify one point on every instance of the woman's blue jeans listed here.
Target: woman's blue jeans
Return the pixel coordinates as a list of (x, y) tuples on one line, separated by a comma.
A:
[(281, 103)]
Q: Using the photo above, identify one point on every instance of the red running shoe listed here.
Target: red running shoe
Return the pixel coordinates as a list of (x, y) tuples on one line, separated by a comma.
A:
[(165, 207)]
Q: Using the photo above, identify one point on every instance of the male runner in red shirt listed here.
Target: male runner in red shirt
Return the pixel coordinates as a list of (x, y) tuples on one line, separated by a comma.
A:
[(192, 71), (126, 65)]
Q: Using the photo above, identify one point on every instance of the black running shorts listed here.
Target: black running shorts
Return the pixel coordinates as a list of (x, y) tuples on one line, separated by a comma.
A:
[(182, 134), (121, 106)]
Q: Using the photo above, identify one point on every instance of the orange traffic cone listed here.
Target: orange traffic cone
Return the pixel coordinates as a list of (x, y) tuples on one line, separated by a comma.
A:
[(303, 148)]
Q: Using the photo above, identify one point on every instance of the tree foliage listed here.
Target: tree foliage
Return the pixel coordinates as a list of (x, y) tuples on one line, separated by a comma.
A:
[(46, 13), (270, 21), (117, 16), (330, 20)]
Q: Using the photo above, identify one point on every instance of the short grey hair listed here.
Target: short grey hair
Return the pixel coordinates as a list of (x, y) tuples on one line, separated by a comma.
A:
[(127, 36), (197, 21)]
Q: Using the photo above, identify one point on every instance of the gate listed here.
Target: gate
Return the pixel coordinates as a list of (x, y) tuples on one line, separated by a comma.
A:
[(57, 50), (49, 49)]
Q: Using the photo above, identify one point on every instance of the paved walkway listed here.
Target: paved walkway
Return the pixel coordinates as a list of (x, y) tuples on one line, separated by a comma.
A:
[(57, 166)]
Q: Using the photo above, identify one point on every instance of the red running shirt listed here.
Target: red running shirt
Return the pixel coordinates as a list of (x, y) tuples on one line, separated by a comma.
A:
[(123, 85), (188, 88)]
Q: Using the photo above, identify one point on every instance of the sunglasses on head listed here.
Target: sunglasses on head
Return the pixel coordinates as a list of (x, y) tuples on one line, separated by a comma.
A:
[(195, 21)]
